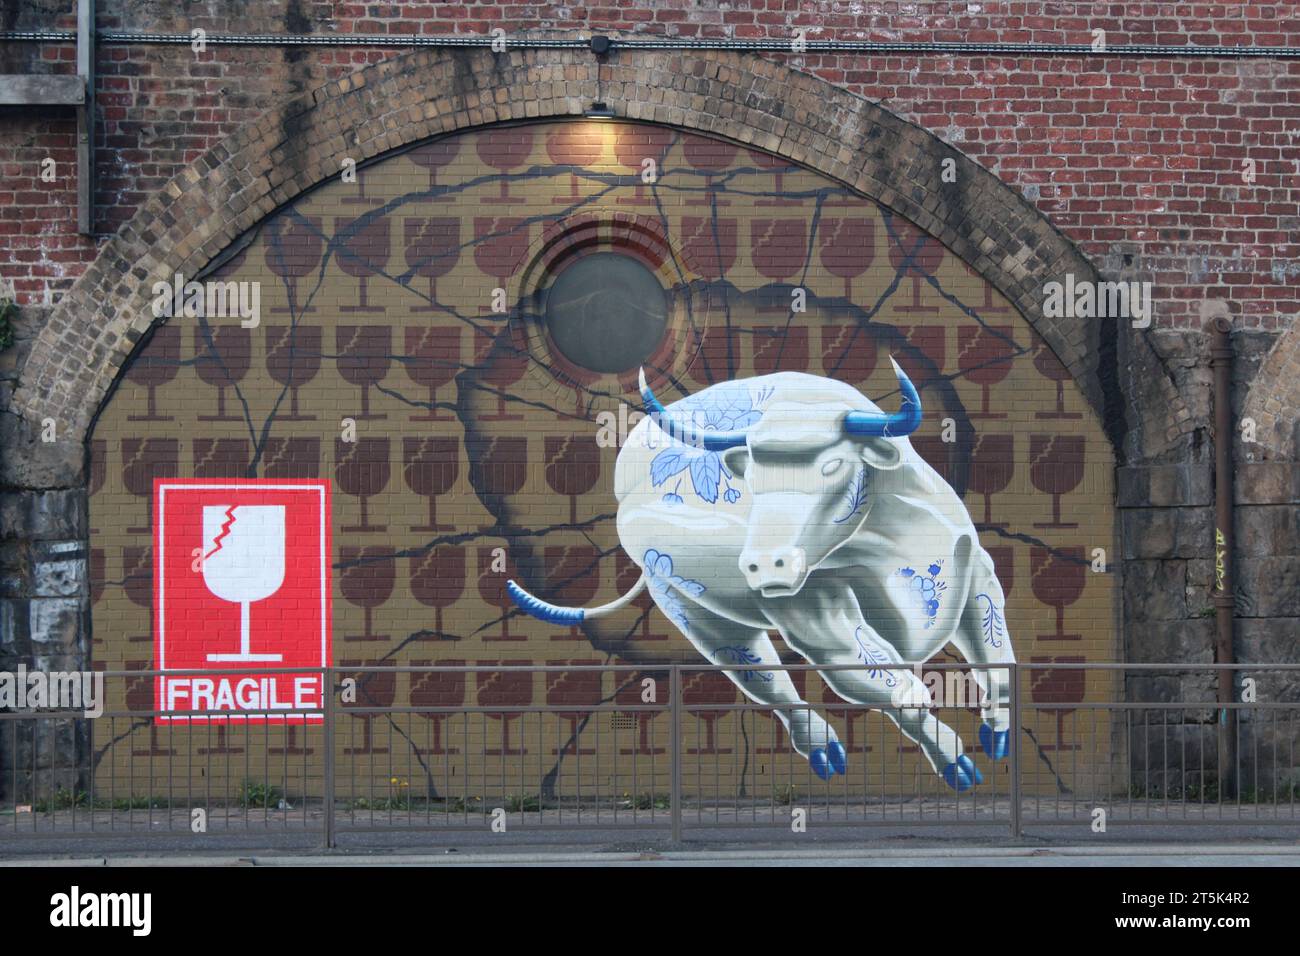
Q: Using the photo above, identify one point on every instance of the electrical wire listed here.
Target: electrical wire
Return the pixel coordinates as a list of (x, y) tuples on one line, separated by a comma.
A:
[(793, 47)]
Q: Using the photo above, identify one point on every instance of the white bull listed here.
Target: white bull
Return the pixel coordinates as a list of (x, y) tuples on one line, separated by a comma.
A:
[(793, 502)]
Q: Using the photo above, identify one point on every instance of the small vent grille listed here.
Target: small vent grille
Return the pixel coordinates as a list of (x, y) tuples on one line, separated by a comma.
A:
[(622, 721)]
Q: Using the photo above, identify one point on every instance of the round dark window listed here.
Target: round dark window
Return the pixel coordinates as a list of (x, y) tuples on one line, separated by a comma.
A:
[(606, 312)]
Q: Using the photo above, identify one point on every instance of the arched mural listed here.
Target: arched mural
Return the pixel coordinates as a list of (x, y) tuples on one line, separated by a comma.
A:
[(447, 352)]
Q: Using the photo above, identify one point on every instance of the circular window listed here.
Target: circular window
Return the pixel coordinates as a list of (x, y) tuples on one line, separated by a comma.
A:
[(606, 312)]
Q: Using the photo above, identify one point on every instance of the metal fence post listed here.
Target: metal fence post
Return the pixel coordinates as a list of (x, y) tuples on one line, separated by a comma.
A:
[(328, 677), (1014, 753), (675, 750)]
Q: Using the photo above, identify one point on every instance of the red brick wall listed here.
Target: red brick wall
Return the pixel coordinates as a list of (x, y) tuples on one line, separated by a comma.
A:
[(1137, 160)]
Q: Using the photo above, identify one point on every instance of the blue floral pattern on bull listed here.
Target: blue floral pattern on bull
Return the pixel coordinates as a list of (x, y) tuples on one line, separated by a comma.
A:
[(856, 496), (873, 658), (720, 409), (991, 621), (926, 589), (739, 654), (662, 582)]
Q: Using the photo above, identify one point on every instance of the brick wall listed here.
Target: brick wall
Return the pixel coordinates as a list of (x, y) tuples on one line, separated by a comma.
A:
[(1137, 160)]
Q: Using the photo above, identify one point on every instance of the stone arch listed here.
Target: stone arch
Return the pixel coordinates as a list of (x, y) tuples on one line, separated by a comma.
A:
[(512, 460), (1274, 399), (424, 94)]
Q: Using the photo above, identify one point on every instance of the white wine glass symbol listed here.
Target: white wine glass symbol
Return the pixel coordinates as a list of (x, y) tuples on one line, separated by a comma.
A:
[(243, 562)]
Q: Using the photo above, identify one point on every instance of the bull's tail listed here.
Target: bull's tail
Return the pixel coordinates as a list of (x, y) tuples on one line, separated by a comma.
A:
[(555, 614)]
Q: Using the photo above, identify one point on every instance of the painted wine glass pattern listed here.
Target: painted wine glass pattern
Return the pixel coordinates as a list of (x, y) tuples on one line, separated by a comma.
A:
[(440, 688), (497, 471), (848, 247), (712, 244), (222, 357), (710, 156), (430, 467), (848, 353), (366, 580), (636, 146), (155, 367), (578, 146), (1056, 467), (505, 149), (498, 687), (432, 249), (1058, 577), (572, 468), (780, 349), (495, 568), (984, 355), (438, 581), (137, 582), (916, 256), (1054, 687), (779, 252), (1051, 368), (992, 465), (362, 469), (294, 248), (577, 688), (431, 158), (628, 694), (432, 360), (374, 689), (364, 356), (143, 460), (700, 689), (363, 247), (293, 354), (500, 360), (219, 457), (778, 166)]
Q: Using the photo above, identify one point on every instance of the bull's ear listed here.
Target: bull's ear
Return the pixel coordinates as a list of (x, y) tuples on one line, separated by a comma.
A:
[(737, 460), (881, 454)]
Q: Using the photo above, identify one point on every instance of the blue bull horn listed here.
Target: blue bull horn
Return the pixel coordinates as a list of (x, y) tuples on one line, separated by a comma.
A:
[(571, 616), (901, 423), (686, 434), (897, 425)]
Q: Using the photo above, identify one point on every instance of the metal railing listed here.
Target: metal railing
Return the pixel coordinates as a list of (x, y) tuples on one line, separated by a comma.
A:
[(672, 749)]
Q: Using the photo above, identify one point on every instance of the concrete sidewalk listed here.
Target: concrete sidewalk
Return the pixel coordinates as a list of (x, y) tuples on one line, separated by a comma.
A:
[(1181, 855)]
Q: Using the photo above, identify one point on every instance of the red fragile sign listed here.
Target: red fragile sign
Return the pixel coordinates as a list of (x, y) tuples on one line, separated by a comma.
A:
[(241, 583)]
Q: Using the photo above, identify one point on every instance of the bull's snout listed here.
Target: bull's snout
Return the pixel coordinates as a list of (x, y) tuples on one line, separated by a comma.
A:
[(774, 571)]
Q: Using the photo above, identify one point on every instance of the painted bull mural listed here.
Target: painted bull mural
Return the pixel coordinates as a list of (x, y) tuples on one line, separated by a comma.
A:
[(793, 502)]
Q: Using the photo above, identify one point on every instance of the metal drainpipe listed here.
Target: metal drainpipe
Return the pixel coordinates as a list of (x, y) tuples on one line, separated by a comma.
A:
[(1221, 356)]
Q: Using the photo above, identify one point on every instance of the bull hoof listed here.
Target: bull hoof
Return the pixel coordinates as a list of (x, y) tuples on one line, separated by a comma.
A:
[(957, 778), (972, 771), (820, 764), (838, 758), (996, 743), (962, 775)]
